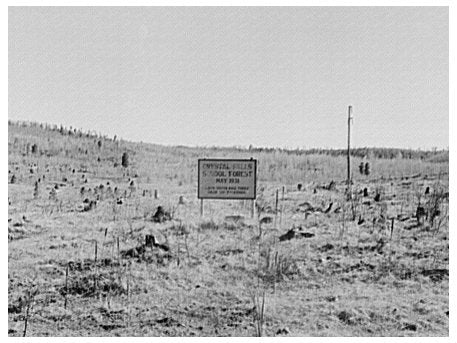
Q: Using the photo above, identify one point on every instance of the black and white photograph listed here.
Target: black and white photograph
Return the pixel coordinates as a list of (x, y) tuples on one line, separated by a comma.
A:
[(228, 171)]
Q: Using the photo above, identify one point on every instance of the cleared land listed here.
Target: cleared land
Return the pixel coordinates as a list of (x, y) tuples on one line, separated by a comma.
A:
[(81, 260)]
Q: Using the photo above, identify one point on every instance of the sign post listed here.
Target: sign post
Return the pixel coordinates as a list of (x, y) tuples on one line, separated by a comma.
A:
[(230, 179)]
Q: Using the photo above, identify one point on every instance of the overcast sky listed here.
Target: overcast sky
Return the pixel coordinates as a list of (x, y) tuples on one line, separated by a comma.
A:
[(235, 76)]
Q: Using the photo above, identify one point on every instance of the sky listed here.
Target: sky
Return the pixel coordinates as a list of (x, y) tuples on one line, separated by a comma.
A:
[(235, 76)]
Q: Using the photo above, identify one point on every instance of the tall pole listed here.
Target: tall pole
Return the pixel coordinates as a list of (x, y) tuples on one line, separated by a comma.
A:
[(349, 144)]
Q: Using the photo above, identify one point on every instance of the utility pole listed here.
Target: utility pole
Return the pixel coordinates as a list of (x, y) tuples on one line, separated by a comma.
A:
[(349, 145)]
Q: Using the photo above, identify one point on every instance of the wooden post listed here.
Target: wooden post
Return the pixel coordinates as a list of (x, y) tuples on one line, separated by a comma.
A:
[(96, 252), (252, 208), (119, 261), (277, 200), (66, 287), (95, 266), (27, 313), (179, 255), (104, 240), (201, 207), (349, 146), (282, 205), (129, 275), (276, 205), (118, 252), (392, 228)]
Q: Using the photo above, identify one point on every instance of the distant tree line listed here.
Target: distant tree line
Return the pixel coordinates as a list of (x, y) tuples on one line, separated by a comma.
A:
[(380, 153), (385, 153), (365, 152), (63, 130)]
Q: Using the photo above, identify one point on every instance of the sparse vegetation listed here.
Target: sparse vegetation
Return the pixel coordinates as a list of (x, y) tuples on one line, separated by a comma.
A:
[(329, 267)]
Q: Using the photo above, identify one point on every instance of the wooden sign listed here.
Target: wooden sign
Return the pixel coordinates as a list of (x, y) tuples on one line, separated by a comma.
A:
[(227, 179)]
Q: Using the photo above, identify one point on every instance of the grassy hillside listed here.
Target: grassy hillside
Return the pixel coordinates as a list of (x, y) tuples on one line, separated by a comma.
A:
[(323, 263), (101, 154)]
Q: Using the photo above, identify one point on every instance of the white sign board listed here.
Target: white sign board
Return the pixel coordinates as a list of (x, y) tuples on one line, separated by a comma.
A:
[(227, 179)]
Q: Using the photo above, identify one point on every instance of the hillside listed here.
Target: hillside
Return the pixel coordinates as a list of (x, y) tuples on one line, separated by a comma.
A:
[(286, 166), (106, 239)]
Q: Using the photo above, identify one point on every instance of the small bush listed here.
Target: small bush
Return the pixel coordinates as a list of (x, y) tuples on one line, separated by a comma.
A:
[(361, 168), (434, 203)]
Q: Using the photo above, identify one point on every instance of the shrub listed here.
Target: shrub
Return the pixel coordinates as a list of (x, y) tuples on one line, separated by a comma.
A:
[(361, 168), (435, 201)]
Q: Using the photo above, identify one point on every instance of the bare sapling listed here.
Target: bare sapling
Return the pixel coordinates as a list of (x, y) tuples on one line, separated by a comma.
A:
[(95, 266), (343, 227), (258, 296), (282, 206), (442, 219), (129, 282), (66, 288), (30, 295), (119, 261), (178, 261), (104, 240), (276, 206), (354, 205), (186, 236), (258, 301)]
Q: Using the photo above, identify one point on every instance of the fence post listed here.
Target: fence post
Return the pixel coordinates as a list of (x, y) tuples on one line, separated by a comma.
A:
[(282, 205), (392, 228), (95, 267), (276, 206), (66, 287)]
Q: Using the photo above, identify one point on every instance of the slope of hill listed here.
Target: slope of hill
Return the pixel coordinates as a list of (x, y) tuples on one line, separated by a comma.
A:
[(279, 165), (106, 239)]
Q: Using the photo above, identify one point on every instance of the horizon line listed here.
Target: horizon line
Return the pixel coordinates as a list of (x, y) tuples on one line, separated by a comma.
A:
[(237, 147)]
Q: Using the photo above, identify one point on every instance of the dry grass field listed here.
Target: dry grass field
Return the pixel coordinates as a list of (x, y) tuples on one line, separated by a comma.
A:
[(90, 254)]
